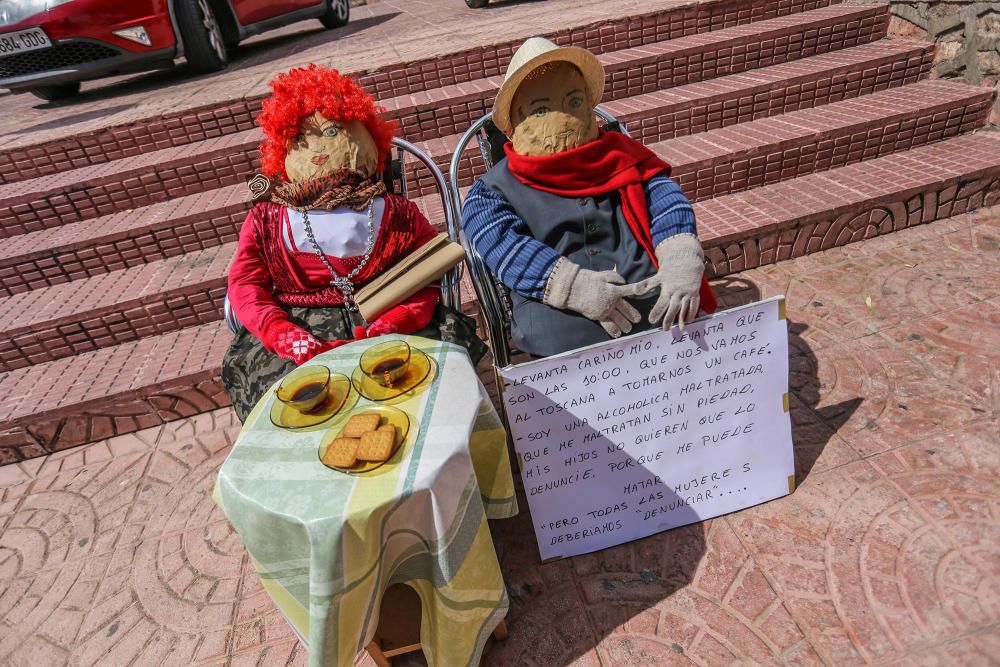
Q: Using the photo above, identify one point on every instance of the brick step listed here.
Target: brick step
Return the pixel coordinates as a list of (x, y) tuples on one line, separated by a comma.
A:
[(769, 91), (833, 208), (131, 182), (128, 183), (725, 101), (817, 212), (761, 152), (113, 308), (119, 240), (162, 296), (149, 298), (747, 154), (144, 297), (111, 391), (197, 124), (664, 65), (132, 238)]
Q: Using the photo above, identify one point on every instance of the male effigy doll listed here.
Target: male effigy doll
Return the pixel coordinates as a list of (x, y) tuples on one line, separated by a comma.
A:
[(577, 221), (330, 227)]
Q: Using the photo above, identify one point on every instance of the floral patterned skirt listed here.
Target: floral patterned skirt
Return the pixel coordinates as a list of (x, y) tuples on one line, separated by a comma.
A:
[(249, 369)]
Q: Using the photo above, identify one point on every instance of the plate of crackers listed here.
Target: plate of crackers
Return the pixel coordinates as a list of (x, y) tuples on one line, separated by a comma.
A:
[(366, 441)]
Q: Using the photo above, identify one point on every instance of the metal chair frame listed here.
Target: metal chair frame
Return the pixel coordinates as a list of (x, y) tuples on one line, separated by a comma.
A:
[(493, 298), (451, 294)]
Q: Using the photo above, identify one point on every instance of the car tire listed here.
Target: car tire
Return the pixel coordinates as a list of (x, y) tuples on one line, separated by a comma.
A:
[(338, 13), (201, 31), (477, 4), (58, 91)]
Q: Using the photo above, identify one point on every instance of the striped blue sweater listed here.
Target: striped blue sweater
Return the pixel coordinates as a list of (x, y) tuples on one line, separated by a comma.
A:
[(523, 263)]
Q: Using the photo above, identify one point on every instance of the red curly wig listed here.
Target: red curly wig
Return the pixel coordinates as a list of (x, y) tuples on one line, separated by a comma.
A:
[(300, 92)]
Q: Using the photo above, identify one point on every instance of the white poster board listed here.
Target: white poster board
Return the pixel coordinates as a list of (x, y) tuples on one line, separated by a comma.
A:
[(661, 429)]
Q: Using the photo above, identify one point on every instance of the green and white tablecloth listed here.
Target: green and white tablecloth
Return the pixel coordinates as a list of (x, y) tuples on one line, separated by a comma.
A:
[(327, 544)]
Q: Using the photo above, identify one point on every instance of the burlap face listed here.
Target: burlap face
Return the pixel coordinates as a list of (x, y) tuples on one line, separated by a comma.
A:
[(324, 146), (551, 112)]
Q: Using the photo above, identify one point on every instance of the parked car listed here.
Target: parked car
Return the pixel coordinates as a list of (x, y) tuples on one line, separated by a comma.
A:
[(48, 47)]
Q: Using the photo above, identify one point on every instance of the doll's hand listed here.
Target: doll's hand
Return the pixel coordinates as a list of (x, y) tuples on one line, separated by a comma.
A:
[(380, 328), (295, 344), (597, 295), (682, 262)]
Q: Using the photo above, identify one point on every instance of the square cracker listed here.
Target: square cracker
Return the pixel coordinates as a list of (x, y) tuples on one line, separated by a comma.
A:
[(360, 424), (342, 452), (391, 428), (376, 446)]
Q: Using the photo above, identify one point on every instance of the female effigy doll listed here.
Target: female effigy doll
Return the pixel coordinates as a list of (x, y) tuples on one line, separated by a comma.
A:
[(330, 227), (576, 221)]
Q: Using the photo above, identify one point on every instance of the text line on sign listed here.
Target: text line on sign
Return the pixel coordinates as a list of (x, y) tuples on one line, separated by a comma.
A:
[(638, 435)]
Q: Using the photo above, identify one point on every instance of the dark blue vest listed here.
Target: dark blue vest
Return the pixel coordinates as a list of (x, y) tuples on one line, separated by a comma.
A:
[(590, 231)]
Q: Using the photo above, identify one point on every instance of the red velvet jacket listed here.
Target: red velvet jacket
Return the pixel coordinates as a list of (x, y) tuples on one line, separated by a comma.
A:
[(265, 273)]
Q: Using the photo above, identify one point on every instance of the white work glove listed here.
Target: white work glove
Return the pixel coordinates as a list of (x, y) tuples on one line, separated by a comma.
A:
[(682, 262), (597, 295)]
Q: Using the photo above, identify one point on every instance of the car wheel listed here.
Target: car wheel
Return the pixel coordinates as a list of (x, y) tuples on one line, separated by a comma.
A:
[(56, 92), (204, 44), (477, 4), (338, 13)]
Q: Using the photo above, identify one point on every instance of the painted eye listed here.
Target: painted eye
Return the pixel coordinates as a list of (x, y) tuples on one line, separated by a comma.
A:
[(540, 111), (299, 138), (330, 131), (576, 103)]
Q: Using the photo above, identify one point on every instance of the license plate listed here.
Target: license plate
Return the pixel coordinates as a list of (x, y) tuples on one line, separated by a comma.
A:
[(23, 40)]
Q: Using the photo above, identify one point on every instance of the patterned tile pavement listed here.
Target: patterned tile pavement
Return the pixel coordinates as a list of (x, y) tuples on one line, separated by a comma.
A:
[(886, 553)]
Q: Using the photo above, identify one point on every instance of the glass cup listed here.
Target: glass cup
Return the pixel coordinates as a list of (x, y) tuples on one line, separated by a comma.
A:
[(386, 363), (305, 388)]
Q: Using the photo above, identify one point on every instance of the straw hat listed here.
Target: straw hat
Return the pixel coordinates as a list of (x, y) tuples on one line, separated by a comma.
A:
[(534, 53)]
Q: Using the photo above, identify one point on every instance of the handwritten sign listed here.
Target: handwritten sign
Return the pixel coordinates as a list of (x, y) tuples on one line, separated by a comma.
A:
[(635, 436)]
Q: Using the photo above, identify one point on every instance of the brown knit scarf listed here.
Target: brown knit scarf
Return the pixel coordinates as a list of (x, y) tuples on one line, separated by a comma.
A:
[(341, 188)]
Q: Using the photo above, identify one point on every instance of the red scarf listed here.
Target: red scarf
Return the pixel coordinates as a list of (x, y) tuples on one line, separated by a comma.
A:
[(613, 161)]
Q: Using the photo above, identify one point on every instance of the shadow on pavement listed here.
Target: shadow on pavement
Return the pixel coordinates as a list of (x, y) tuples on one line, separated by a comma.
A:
[(267, 47), (812, 426), (72, 119), (561, 610), (257, 51), (499, 4)]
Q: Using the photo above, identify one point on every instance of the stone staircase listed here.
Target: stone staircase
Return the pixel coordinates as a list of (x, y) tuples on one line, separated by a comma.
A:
[(795, 126)]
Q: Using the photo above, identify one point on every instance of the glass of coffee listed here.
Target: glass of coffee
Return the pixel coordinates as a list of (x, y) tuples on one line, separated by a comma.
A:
[(386, 363), (305, 388)]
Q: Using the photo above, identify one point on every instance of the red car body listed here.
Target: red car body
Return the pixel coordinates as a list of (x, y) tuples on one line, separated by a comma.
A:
[(84, 45)]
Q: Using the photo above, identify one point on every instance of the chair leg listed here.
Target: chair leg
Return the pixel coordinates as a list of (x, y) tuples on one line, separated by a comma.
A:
[(500, 632), (375, 651)]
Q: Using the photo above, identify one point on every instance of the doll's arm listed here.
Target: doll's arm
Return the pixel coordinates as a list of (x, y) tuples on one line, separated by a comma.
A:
[(251, 295), (670, 212), (498, 233), (680, 277), (408, 317), (250, 288)]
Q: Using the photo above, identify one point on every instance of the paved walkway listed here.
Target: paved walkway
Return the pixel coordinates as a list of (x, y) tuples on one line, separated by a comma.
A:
[(885, 554), (382, 33)]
